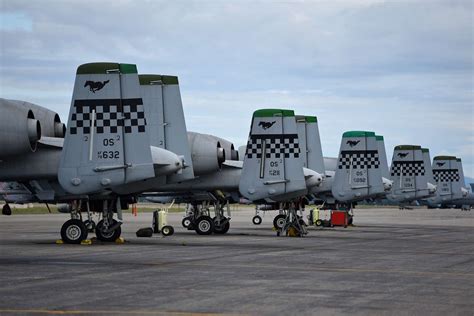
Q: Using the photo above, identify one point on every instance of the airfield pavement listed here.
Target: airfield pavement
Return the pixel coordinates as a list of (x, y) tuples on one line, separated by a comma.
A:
[(393, 262)]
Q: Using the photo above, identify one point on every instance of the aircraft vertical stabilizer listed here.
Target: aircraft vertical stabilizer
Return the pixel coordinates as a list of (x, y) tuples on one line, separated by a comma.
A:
[(165, 119), (429, 171), (447, 175), (409, 174), (106, 142), (462, 181), (310, 143), (272, 168), (358, 173), (382, 156)]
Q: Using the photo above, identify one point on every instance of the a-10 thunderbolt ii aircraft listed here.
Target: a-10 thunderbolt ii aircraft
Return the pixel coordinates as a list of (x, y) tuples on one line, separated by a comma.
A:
[(105, 155), (159, 121), (411, 174), (449, 176)]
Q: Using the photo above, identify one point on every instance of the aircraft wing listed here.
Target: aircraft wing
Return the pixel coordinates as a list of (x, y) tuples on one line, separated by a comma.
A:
[(51, 142), (234, 164)]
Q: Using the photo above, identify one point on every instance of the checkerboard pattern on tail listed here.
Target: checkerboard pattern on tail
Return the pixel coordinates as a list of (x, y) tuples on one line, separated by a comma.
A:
[(276, 146), (359, 159), (446, 175), (110, 114), (407, 168)]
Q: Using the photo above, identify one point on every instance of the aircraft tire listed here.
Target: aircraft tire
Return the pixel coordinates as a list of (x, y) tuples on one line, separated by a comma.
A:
[(279, 221), (110, 236), (204, 225), (319, 223), (73, 231), (221, 229), (167, 230), (256, 220), (186, 221)]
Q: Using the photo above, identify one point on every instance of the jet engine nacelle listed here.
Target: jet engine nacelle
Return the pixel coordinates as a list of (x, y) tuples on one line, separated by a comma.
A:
[(19, 129), (51, 125), (230, 151), (207, 153)]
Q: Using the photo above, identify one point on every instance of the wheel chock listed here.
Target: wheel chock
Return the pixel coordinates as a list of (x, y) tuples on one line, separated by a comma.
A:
[(86, 242), (120, 240), (59, 242)]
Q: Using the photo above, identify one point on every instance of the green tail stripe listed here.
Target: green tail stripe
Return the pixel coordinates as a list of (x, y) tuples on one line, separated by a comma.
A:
[(407, 147), (148, 79), (444, 158), (104, 68), (311, 119), (128, 68), (425, 150), (358, 134), (378, 137), (273, 112)]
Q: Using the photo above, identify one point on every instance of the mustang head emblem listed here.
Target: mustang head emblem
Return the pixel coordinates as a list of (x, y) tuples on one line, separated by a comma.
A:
[(95, 85), (352, 143), (440, 164), (266, 125), (402, 155)]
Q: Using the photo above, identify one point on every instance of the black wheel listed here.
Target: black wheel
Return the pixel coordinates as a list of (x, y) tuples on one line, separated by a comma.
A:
[(279, 221), (256, 220), (6, 210), (204, 225), (186, 221), (107, 236), (219, 227), (90, 225), (319, 222), (73, 231), (167, 230)]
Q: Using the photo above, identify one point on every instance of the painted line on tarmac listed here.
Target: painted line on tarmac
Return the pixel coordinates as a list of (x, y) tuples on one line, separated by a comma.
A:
[(109, 312)]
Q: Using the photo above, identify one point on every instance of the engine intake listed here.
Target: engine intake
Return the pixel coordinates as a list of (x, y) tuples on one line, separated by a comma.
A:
[(19, 129)]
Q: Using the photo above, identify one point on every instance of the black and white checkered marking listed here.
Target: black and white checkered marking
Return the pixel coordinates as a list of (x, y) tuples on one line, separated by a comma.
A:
[(276, 146), (110, 116), (446, 175), (407, 168), (359, 159)]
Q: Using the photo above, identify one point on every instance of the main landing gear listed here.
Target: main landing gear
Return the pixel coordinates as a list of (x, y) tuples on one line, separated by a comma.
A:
[(76, 230), (289, 222), (198, 218)]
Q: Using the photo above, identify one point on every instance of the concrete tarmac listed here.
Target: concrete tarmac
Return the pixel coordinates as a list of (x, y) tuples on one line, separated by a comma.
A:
[(393, 262)]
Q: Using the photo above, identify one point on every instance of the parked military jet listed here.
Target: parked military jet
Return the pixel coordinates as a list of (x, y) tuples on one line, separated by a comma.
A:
[(105, 152), (449, 176), (411, 174)]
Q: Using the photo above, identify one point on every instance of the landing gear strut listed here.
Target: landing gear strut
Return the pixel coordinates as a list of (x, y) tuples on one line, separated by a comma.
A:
[(293, 224)]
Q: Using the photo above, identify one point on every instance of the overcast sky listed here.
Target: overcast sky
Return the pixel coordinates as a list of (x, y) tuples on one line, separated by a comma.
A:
[(403, 69)]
